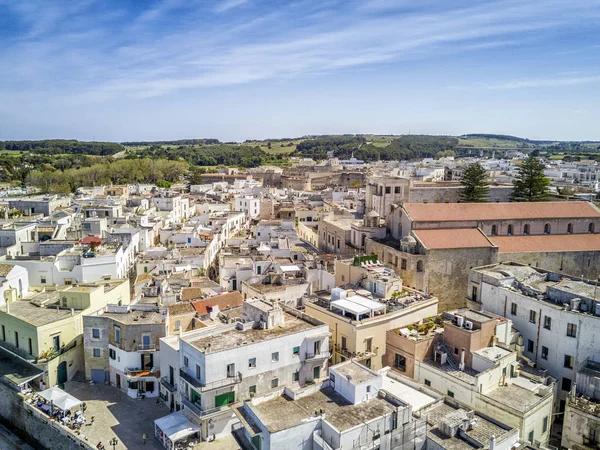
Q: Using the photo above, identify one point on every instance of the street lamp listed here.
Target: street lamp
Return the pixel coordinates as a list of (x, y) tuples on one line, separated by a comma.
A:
[(113, 442)]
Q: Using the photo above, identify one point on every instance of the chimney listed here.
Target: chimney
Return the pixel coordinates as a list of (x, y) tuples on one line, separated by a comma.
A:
[(72, 312), (461, 366)]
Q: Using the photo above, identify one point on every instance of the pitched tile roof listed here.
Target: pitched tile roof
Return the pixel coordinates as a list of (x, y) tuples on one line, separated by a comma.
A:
[(547, 243), (452, 212), (452, 238), (5, 269), (181, 308), (224, 301)]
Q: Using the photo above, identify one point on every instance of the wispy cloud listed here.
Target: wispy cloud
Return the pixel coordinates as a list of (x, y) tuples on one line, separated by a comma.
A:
[(228, 4), (178, 44), (537, 83)]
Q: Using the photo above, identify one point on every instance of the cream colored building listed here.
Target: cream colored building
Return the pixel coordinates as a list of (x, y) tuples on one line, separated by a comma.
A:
[(359, 331), (46, 328)]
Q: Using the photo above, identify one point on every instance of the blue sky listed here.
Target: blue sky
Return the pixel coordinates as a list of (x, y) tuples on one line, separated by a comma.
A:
[(250, 69)]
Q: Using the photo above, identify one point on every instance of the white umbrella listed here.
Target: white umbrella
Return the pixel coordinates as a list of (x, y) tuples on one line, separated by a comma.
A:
[(52, 394)]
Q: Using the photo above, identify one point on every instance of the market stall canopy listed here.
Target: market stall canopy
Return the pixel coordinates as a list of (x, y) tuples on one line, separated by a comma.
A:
[(176, 426), (59, 398)]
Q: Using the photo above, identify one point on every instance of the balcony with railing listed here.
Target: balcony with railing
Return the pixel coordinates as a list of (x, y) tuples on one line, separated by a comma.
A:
[(165, 381), (204, 387), (139, 373), (369, 353), (146, 347), (316, 356)]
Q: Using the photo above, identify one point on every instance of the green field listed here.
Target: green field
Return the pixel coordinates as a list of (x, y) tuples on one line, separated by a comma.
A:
[(481, 142), (278, 148)]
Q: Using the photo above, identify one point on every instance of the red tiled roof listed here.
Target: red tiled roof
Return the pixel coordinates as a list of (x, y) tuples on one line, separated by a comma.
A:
[(452, 212), (547, 243), (91, 240), (452, 238), (224, 301)]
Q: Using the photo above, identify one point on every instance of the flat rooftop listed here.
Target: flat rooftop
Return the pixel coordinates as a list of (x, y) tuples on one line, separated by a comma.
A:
[(492, 353), (282, 413), (414, 397), (482, 432), (136, 317), (220, 341), (516, 396), (358, 374), (35, 315)]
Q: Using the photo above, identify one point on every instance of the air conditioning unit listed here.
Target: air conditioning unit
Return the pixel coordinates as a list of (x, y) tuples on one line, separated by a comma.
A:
[(469, 325)]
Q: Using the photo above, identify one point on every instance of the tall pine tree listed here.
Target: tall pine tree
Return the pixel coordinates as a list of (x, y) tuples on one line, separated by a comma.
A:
[(531, 185), (474, 183)]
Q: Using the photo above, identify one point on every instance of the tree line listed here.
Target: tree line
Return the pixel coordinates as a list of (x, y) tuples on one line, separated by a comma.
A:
[(214, 155), (402, 148), (122, 171), (62, 146)]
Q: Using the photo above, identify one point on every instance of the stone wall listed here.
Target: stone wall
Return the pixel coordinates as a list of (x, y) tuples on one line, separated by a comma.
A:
[(34, 426)]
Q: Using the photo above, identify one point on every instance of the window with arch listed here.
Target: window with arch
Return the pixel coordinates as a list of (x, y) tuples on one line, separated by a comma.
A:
[(570, 228), (494, 230), (526, 229), (547, 229), (510, 230), (420, 266), (592, 228)]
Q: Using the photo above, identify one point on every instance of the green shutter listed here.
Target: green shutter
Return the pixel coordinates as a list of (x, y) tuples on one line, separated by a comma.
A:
[(224, 399)]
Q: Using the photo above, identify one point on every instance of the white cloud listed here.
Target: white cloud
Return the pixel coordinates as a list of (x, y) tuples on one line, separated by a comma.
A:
[(229, 4)]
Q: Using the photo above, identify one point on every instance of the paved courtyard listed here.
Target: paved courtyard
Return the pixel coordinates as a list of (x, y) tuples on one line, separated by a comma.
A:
[(117, 415)]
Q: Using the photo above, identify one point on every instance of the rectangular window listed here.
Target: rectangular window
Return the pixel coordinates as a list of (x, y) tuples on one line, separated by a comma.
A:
[(427, 382), (96, 353), (568, 362), (344, 343), (43, 279), (397, 190), (544, 352), (369, 345), (30, 346), (566, 384), (185, 361), (96, 333), (547, 322), (572, 330), (252, 363), (296, 350), (388, 190), (117, 335), (296, 376), (274, 383), (530, 345), (275, 356), (252, 389), (403, 264), (112, 354), (400, 362), (532, 316), (530, 436), (513, 309), (450, 394), (198, 371), (545, 425)]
